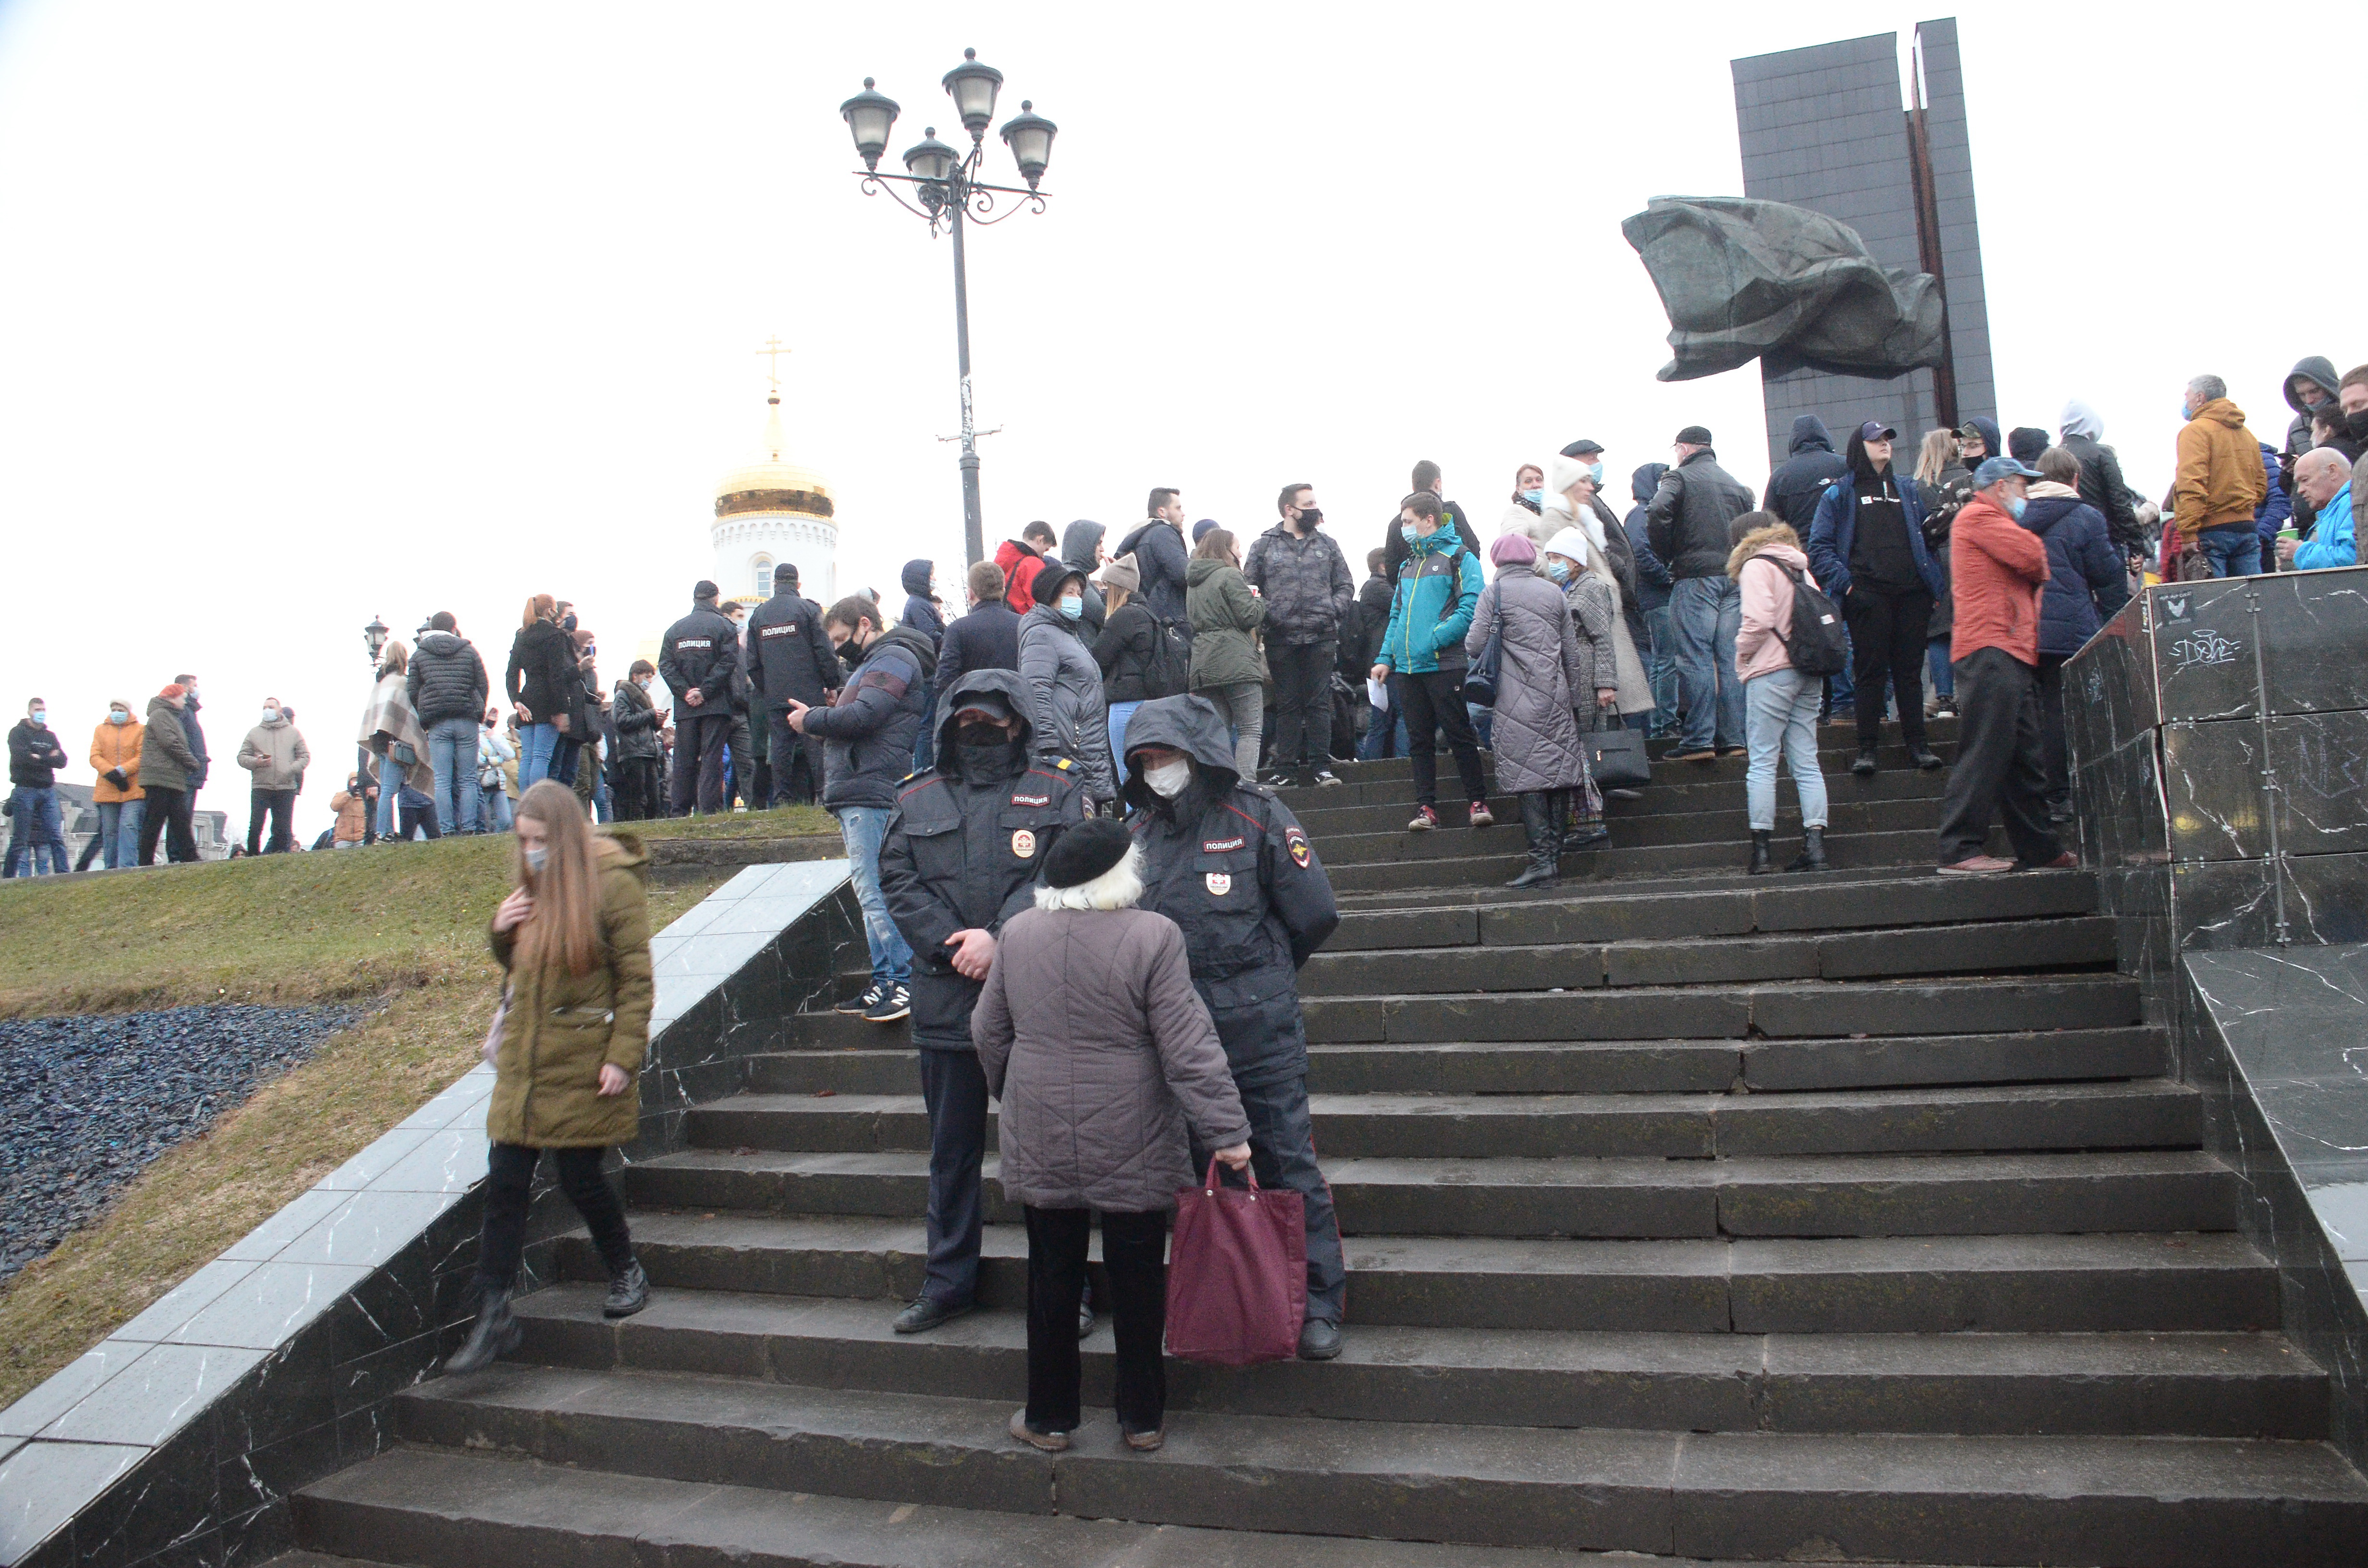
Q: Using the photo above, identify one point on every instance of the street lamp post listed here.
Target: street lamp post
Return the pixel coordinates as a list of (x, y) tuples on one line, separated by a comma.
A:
[(374, 635), (947, 187)]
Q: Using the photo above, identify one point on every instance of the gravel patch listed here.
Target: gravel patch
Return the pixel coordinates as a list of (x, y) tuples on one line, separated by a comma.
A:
[(85, 1103)]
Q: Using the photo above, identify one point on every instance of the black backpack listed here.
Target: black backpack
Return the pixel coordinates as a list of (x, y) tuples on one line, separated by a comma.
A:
[(1170, 673), (1819, 645)]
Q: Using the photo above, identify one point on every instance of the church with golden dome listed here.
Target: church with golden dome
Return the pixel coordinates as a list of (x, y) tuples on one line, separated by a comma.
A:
[(770, 512)]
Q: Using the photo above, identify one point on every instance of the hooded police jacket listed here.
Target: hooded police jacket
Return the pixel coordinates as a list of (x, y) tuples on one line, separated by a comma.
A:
[(789, 655), (1229, 863), (700, 649), (961, 853)]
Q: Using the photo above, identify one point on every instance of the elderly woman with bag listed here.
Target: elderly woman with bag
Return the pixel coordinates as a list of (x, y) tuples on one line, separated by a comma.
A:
[(1572, 564), (1103, 1056), (575, 936), (1540, 673)]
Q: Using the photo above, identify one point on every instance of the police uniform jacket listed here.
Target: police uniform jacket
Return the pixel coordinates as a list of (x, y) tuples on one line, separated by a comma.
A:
[(700, 649), (962, 854), (789, 655), (1229, 863)]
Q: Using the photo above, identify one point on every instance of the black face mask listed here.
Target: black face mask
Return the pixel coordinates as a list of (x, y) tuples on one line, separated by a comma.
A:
[(1309, 516), (2356, 425), (996, 757)]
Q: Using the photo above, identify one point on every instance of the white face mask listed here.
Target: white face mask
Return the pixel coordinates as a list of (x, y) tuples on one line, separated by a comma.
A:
[(536, 856), (271, 715), (1167, 780)]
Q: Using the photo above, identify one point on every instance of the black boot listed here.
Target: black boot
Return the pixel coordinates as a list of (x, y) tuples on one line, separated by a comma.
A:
[(1538, 824), (1813, 853), (494, 1335), (629, 1292), (1761, 860)]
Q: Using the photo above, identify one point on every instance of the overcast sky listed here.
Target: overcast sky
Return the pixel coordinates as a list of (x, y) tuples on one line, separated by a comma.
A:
[(316, 311)]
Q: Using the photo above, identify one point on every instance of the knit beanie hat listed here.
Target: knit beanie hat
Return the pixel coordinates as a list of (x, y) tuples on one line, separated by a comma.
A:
[(1570, 544), (1086, 851), (1563, 472), (2025, 442), (703, 589), (1122, 573), (1201, 529), (174, 689), (1517, 550)]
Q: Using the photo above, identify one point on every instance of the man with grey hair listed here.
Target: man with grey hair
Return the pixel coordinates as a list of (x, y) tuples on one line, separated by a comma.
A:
[(2221, 484), (2323, 475)]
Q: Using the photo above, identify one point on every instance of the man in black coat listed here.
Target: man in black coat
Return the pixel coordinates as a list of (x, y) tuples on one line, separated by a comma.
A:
[(448, 687), (1226, 861), (189, 685), (1804, 477), (986, 639), (960, 858), (1686, 523), (1451, 516), (1161, 557), (697, 659), (791, 660)]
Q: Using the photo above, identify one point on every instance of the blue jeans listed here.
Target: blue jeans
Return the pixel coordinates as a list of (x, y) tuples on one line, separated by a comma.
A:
[(34, 827), (1708, 612), (119, 832), (1385, 731), (2234, 552), (537, 742), (1120, 712), (390, 784), (925, 739), (452, 751), (1782, 716), (1661, 671), (862, 827), (493, 811), (1937, 670)]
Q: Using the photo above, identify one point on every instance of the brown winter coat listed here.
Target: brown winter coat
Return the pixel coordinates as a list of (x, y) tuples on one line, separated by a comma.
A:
[(2220, 480), (560, 1028), (353, 816), (1092, 1037)]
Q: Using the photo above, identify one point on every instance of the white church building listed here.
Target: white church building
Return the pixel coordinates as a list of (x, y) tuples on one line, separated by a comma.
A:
[(771, 512)]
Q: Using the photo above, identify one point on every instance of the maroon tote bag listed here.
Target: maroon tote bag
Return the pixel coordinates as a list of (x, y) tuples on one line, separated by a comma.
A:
[(1236, 1273)]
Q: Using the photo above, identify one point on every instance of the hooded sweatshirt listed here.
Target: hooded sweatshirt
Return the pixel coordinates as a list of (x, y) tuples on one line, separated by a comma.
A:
[(1080, 541), (2101, 484), (921, 612), (2319, 370), (2220, 479), (1651, 575), (1794, 489)]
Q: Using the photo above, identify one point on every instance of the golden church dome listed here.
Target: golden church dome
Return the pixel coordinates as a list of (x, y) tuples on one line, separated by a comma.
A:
[(769, 484)]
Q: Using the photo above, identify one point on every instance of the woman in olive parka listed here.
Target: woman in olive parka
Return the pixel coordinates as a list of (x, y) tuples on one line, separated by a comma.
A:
[(575, 936)]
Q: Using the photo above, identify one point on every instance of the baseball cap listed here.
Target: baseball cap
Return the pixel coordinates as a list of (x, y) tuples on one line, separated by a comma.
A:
[(1995, 469), (1876, 430)]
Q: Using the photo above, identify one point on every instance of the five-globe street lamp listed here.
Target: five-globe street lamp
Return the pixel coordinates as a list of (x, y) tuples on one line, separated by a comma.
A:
[(946, 185)]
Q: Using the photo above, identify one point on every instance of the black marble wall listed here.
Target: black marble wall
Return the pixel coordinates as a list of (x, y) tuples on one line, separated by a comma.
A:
[(177, 1440)]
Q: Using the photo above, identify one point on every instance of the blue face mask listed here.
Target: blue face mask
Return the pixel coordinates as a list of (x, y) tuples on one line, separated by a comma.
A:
[(1557, 571), (1595, 472), (2185, 413), (2014, 507), (1534, 497), (1072, 606), (1409, 531)]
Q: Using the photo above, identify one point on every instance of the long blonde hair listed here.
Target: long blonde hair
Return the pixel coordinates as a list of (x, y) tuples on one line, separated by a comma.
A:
[(393, 660), (1940, 447), (566, 926)]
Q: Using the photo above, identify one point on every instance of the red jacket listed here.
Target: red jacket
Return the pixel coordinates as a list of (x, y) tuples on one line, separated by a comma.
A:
[(1995, 569), (1019, 565)]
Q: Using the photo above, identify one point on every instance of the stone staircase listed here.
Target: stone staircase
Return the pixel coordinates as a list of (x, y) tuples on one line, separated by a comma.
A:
[(1853, 1216)]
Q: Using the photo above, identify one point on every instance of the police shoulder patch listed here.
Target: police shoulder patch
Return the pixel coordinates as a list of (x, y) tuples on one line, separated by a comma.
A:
[(1294, 839)]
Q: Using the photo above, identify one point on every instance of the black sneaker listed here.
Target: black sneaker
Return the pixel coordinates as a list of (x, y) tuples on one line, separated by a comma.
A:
[(894, 1002), (1326, 778), (865, 1003), (1864, 765)]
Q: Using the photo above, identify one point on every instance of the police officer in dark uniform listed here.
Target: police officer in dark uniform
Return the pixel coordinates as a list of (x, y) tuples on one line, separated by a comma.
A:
[(960, 858), (1228, 862), (698, 660), (790, 659)]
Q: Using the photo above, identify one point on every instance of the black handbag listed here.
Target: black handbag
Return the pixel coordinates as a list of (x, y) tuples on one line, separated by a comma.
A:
[(1616, 758)]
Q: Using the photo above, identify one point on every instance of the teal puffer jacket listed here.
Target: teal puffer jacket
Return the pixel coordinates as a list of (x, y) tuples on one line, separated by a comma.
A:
[(1438, 587)]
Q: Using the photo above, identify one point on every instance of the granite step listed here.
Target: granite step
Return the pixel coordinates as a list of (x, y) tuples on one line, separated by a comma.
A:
[(1485, 867), (2147, 1114), (2064, 942), (2223, 1385), (1383, 808), (1613, 1198), (2179, 1282), (1776, 1009), (1836, 749), (2158, 1501), (1390, 841), (1638, 1066), (429, 1506)]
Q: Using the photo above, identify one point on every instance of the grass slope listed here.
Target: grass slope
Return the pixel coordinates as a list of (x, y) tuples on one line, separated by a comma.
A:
[(402, 925)]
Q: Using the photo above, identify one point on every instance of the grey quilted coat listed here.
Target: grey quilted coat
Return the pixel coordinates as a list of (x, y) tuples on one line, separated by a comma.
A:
[(1092, 1037), (1543, 668), (1595, 611), (1065, 683)]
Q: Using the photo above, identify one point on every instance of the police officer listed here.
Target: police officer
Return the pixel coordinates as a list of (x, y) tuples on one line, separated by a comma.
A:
[(1228, 862), (698, 661), (791, 660), (960, 858)]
